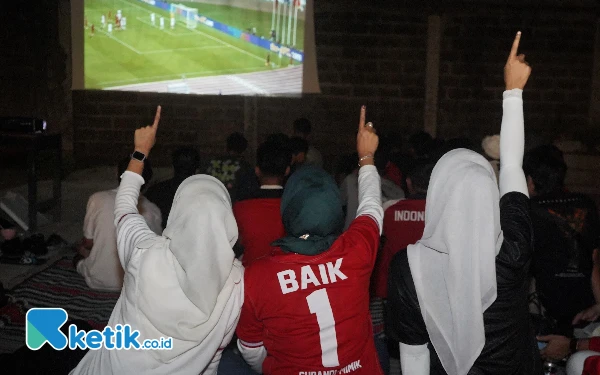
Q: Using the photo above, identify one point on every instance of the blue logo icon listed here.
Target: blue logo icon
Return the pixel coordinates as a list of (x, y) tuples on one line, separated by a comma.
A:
[(42, 325)]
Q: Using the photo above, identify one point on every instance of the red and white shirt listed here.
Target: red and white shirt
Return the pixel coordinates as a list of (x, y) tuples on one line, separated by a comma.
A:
[(403, 225), (310, 314)]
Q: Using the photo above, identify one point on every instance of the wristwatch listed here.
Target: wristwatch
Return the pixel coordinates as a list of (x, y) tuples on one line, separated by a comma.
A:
[(138, 156)]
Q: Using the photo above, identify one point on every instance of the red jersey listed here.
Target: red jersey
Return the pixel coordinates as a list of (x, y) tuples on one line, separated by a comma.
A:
[(403, 225), (259, 224), (311, 313)]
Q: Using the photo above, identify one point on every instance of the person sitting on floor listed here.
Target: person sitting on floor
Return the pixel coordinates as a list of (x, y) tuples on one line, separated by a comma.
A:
[(403, 223), (185, 164), (458, 297), (185, 285), (97, 260), (298, 148), (306, 306), (302, 129), (566, 226), (232, 168), (258, 217)]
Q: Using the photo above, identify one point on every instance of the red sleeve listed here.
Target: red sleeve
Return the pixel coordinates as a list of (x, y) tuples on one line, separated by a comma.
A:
[(595, 344), (363, 235), (249, 329), (591, 365)]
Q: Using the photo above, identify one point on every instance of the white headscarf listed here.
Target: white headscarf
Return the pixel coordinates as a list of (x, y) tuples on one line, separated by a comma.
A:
[(453, 265), (187, 276)]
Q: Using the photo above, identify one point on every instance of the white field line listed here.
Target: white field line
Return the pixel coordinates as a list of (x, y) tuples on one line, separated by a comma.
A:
[(248, 85), (188, 75), (165, 30), (229, 45), (206, 35), (120, 41), (181, 49)]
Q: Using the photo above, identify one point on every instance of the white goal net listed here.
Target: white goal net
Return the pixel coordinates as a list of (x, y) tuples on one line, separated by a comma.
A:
[(185, 14)]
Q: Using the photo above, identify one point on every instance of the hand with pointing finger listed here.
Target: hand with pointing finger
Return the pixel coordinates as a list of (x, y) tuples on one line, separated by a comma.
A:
[(366, 140), (516, 70), (145, 137)]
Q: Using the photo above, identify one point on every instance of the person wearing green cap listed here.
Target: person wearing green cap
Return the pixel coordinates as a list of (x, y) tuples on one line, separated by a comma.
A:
[(306, 305)]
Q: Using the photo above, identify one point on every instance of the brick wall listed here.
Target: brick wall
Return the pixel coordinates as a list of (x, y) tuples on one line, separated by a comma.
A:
[(475, 44)]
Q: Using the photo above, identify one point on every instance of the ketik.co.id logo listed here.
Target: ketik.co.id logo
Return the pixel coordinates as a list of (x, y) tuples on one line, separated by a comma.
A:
[(43, 326)]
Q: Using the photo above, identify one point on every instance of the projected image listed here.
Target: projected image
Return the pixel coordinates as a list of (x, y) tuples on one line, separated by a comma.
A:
[(217, 47)]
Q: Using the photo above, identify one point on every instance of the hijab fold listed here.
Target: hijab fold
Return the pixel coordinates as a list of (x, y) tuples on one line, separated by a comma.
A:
[(311, 210), (187, 276), (453, 265)]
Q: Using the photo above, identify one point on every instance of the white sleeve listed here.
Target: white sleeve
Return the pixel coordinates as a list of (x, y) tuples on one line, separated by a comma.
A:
[(131, 226), (512, 144), (369, 194), (414, 359), (253, 356)]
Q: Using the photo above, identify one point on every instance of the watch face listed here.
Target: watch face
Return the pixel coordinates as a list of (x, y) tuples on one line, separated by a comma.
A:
[(138, 156)]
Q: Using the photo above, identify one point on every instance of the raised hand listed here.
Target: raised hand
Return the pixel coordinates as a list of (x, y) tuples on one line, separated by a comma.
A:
[(145, 137), (516, 70), (366, 140)]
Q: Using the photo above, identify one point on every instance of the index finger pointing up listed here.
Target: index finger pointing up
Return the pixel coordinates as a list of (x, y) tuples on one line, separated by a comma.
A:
[(515, 47), (361, 122), (156, 117)]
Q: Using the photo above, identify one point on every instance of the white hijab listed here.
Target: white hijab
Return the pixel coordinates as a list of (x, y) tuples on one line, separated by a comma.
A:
[(187, 276), (453, 265)]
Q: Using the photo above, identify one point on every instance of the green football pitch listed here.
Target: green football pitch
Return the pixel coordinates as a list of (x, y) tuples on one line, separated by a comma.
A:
[(145, 53)]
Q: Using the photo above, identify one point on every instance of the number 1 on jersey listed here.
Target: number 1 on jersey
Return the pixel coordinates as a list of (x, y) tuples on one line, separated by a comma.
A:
[(318, 303)]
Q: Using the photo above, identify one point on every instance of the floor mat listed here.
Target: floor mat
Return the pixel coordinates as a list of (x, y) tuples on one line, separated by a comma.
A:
[(57, 286)]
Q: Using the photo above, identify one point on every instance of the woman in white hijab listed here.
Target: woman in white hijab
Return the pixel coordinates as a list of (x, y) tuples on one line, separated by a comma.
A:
[(463, 287), (185, 285)]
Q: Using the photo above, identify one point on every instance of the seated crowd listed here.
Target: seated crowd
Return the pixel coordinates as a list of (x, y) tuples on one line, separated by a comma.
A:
[(425, 253)]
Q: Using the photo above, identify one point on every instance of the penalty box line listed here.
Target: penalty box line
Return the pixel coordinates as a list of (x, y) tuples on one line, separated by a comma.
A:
[(206, 35), (163, 30)]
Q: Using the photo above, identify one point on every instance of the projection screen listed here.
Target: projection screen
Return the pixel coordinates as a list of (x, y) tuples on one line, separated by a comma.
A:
[(212, 47)]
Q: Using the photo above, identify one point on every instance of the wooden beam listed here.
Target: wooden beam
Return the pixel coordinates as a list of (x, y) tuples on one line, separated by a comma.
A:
[(595, 94), (432, 75)]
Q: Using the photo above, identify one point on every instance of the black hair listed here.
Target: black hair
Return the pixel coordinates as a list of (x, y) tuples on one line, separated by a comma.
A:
[(273, 159), (298, 145), (186, 161), (421, 142), (146, 173), (278, 138), (237, 143), (302, 126), (420, 174), (546, 166)]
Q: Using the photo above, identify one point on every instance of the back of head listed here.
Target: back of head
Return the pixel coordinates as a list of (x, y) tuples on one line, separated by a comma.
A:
[(237, 143), (302, 127), (278, 138), (546, 167), (420, 174), (273, 159), (420, 143), (186, 161), (146, 173), (311, 208), (298, 145)]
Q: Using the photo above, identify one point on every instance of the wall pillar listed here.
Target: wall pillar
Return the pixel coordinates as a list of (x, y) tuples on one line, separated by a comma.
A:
[(595, 94), (432, 74)]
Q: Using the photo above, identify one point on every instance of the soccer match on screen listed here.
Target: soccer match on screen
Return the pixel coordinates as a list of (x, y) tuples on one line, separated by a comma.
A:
[(217, 47)]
